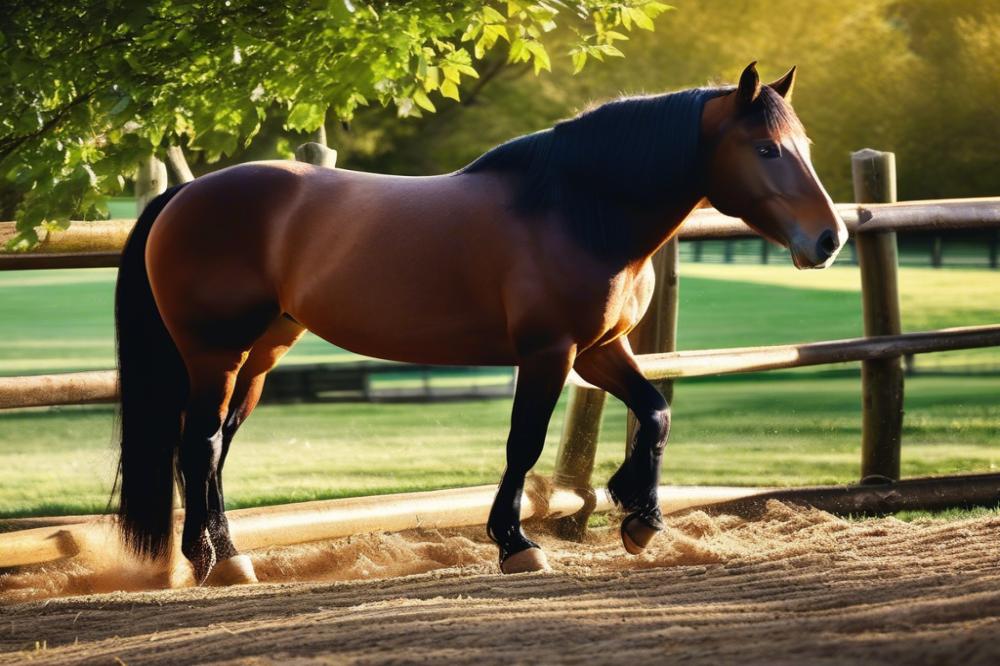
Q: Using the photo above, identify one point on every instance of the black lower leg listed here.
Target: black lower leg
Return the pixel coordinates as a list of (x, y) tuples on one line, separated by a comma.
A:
[(199, 458), (634, 486), (218, 525), (504, 524), (539, 383)]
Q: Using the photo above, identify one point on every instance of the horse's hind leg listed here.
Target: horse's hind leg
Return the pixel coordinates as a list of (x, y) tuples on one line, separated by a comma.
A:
[(212, 377), (232, 568), (634, 486)]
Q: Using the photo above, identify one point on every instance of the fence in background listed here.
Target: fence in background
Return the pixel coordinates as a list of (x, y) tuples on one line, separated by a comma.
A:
[(975, 250)]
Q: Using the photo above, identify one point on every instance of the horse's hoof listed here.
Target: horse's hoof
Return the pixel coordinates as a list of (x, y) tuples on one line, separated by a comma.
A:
[(637, 533), (201, 555), (530, 559), (236, 570)]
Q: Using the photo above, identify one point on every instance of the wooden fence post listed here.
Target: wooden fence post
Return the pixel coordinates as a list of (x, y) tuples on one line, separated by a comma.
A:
[(316, 153), (150, 181), (576, 454), (657, 332), (874, 175)]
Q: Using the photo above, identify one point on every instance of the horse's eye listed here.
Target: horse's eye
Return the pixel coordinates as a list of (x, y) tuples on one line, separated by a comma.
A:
[(768, 151)]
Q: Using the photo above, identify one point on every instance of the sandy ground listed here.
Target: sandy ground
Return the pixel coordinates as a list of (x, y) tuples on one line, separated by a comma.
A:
[(793, 586)]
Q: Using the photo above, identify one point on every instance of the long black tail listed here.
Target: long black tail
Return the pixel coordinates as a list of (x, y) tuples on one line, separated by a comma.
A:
[(153, 384)]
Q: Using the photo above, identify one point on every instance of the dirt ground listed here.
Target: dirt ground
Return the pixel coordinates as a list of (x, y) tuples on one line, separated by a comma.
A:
[(793, 586)]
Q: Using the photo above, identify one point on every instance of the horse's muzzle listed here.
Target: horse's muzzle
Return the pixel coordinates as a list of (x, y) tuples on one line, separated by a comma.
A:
[(819, 253)]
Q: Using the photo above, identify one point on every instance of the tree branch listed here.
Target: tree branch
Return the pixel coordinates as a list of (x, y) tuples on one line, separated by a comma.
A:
[(9, 144), (178, 164)]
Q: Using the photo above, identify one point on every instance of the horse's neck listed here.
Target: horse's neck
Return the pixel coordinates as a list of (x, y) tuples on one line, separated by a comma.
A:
[(651, 230)]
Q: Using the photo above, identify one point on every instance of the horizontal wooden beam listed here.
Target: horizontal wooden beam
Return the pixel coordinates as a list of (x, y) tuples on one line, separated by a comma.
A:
[(966, 491), (95, 537), (710, 224), (101, 385), (755, 359), (70, 388), (24, 261), (98, 243), (80, 236), (930, 216)]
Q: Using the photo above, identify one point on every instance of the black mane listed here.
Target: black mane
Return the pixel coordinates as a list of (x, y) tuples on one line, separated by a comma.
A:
[(623, 157)]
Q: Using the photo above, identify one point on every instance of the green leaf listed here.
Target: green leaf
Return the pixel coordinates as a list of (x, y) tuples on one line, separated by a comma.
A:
[(518, 52), (491, 15), (120, 105), (541, 57), (654, 9), (451, 73), (579, 61), (305, 117), (471, 32), (449, 89), (424, 102), (433, 79), (640, 18)]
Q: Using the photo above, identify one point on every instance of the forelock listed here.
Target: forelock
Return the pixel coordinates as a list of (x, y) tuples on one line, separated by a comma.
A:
[(777, 114)]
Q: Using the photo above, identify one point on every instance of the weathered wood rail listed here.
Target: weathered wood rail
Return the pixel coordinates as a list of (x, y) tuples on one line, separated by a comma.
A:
[(269, 526), (101, 385)]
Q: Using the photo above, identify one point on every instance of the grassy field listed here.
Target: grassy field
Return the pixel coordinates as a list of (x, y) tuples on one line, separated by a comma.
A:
[(786, 428)]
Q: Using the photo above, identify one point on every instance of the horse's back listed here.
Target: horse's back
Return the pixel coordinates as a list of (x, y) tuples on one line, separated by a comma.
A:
[(386, 265)]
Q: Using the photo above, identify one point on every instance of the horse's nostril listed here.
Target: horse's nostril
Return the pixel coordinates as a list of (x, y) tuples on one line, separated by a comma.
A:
[(826, 245)]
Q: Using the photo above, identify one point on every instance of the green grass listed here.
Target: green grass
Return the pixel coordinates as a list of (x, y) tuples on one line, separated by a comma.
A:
[(787, 428), (782, 431)]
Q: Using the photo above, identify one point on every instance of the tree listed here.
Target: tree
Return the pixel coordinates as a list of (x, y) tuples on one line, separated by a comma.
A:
[(89, 88), (918, 78)]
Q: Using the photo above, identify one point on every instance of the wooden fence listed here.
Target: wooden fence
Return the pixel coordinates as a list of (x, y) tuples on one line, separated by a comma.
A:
[(873, 222)]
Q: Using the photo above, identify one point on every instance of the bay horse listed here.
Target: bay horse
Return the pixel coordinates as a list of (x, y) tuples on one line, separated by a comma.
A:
[(537, 255)]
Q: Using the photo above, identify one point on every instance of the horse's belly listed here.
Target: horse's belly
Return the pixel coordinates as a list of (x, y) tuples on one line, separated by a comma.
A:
[(426, 318), (449, 341)]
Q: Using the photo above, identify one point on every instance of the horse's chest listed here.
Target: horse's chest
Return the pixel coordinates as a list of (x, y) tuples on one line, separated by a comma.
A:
[(641, 295), (626, 302)]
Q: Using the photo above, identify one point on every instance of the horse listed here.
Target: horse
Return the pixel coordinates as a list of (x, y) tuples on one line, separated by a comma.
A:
[(535, 255)]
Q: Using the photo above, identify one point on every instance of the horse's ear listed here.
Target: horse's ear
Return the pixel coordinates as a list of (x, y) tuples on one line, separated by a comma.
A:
[(784, 85), (749, 88)]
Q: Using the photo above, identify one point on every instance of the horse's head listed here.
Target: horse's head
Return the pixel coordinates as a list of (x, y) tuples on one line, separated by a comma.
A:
[(758, 169)]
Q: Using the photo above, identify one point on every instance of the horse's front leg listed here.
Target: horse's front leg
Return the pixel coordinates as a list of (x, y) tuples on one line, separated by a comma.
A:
[(634, 486), (540, 380)]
